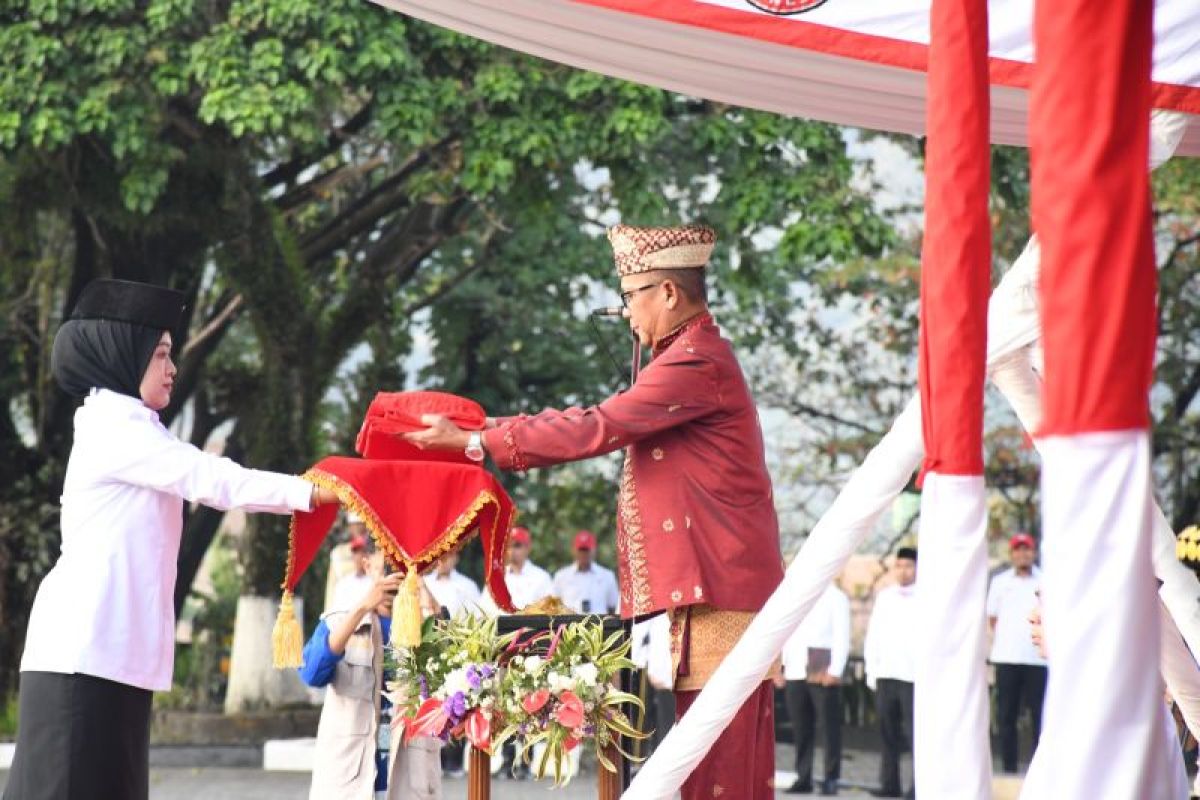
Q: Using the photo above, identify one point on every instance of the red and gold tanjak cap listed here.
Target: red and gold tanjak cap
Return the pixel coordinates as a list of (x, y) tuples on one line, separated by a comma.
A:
[(638, 250)]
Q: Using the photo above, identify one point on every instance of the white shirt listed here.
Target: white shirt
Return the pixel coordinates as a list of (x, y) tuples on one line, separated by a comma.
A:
[(651, 650), (597, 586), (1010, 600), (107, 607), (890, 645), (827, 627), (528, 586), (456, 592)]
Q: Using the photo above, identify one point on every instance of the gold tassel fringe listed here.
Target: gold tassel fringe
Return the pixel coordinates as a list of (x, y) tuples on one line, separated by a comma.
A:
[(406, 611), (287, 640)]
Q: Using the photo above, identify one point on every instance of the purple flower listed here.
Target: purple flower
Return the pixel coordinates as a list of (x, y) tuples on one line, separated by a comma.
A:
[(455, 707), (474, 677), (424, 687)]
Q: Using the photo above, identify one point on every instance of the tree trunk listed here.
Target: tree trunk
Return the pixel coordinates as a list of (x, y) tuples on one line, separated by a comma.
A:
[(277, 424), (253, 682)]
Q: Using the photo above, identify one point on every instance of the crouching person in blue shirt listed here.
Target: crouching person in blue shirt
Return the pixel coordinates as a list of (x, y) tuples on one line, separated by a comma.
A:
[(355, 758)]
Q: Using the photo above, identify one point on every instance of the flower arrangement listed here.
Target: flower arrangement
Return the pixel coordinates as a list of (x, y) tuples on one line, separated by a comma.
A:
[(447, 686), (566, 695), (546, 690)]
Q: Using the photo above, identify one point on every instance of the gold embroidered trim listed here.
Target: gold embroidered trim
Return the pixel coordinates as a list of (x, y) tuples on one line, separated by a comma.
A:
[(452, 538), (514, 453), (631, 542)]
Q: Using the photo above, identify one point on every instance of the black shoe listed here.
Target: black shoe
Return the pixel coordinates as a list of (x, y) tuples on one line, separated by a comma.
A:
[(799, 787), (829, 787), (885, 793)]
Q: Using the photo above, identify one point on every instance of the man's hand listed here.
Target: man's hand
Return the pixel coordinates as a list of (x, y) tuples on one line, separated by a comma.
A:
[(379, 597), (825, 679), (1036, 632), (442, 434)]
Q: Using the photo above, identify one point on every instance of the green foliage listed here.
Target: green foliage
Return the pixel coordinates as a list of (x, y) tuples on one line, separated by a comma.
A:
[(336, 186), (8, 717)]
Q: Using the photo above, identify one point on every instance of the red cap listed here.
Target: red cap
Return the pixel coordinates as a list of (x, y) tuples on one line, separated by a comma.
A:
[(584, 540), (1021, 540), (358, 543), (520, 536)]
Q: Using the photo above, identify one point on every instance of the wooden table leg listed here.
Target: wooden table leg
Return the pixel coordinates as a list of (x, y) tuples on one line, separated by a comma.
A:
[(610, 785), (479, 776)]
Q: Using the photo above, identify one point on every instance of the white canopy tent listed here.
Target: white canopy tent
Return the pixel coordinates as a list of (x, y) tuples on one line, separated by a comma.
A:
[(851, 62)]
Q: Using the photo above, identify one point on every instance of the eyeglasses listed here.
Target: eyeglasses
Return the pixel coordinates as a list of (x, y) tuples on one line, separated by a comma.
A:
[(627, 296)]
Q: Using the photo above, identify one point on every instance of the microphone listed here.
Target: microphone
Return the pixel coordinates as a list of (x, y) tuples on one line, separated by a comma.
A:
[(609, 311)]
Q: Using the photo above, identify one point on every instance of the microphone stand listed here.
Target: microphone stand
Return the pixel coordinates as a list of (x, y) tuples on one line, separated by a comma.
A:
[(636, 366)]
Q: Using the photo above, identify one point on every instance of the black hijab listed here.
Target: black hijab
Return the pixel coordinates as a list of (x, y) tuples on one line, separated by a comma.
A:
[(111, 335), (102, 354)]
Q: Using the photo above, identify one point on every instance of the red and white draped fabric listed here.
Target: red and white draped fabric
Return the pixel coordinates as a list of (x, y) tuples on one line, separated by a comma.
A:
[(852, 62), (862, 62), (1091, 208), (951, 751)]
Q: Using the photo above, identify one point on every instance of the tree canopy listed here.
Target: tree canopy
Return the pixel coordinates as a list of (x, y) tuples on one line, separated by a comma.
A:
[(329, 182)]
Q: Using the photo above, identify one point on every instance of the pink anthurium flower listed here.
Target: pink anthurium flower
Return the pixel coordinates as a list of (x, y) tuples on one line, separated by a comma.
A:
[(533, 703), (479, 730), (570, 710), (430, 719)]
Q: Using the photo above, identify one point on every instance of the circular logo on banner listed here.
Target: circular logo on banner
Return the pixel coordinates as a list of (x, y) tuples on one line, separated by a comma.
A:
[(786, 7)]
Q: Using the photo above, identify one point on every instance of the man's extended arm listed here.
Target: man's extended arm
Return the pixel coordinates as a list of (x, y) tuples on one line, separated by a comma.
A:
[(676, 388)]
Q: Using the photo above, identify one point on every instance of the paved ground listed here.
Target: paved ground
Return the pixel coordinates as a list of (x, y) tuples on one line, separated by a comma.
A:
[(170, 780)]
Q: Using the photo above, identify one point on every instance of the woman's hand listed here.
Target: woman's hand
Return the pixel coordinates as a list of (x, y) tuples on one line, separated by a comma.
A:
[(323, 496)]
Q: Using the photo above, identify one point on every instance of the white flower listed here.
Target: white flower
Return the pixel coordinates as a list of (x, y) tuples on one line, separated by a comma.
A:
[(586, 674), (559, 682), (533, 664), (455, 682)]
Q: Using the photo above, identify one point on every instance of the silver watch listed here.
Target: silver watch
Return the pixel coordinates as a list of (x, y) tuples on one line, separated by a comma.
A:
[(474, 449)]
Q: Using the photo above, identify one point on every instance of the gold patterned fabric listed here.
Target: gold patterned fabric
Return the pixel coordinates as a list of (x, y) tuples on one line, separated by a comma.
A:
[(637, 250), (635, 584), (710, 633)]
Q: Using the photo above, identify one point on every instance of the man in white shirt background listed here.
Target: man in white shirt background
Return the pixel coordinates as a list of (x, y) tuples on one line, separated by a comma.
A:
[(651, 653), (453, 591), (527, 582), (890, 660), (352, 588), (1020, 669), (814, 659), (585, 586)]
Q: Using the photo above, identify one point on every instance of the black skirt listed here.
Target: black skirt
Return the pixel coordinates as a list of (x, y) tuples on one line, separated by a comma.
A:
[(80, 738)]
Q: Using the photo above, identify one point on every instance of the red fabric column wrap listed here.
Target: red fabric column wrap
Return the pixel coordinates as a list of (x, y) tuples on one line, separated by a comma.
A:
[(956, 256), (1091, 208)]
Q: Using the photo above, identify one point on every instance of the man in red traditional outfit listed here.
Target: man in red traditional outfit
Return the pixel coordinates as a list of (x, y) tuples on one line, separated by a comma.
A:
[(697, 533)]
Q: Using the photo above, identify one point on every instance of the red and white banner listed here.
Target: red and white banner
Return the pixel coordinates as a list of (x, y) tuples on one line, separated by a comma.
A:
[(956, 259), (851, 62)]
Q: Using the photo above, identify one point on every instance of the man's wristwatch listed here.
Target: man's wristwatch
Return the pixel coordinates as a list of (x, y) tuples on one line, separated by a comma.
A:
[(474, 449)]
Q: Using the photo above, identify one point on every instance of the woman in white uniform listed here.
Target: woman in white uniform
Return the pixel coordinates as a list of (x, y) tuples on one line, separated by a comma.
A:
[(101, 632)]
